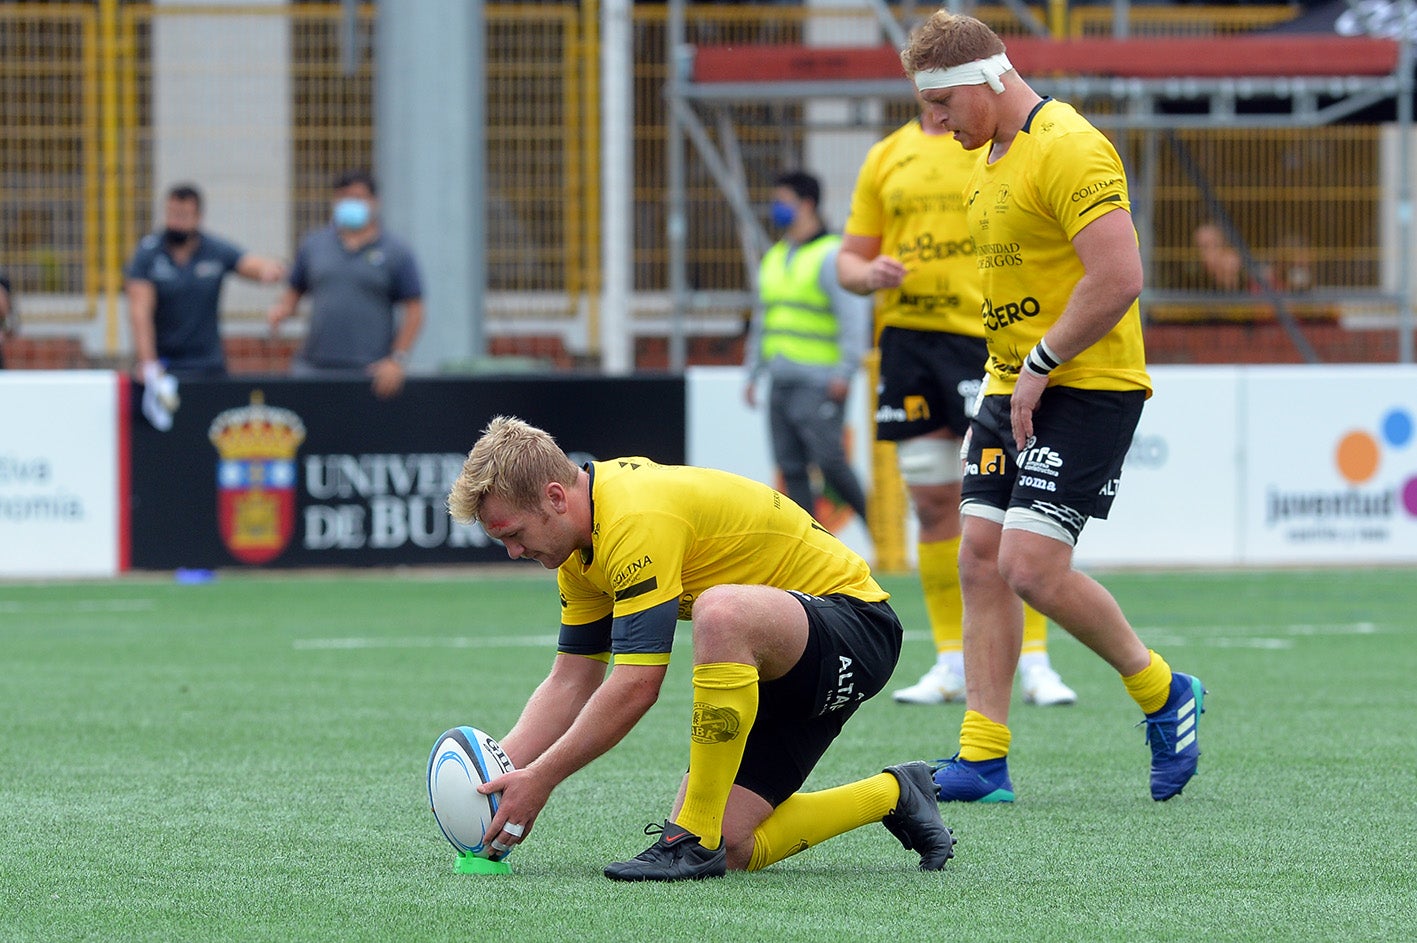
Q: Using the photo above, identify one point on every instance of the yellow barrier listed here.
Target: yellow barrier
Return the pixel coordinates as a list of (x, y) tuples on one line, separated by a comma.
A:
[(889, 503)]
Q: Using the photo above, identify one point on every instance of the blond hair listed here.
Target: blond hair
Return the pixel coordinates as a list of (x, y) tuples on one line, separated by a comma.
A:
[(513, 461), (946, 40)]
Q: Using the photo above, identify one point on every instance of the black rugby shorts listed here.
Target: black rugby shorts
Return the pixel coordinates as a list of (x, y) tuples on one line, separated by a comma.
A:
[(928, 381), (1071, 469), (852, 650)]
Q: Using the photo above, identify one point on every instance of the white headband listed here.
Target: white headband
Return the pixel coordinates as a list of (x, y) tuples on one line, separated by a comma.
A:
[(978, 72)]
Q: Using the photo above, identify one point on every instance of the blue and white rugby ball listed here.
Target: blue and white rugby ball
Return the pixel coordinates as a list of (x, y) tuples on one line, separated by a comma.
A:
[(463, 759)]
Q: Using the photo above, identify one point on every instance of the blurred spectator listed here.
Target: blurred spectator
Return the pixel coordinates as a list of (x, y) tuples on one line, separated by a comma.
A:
[(808, 335), (1224, 268), (1293, 268), (173, 285), (8, 322), (356, 275)]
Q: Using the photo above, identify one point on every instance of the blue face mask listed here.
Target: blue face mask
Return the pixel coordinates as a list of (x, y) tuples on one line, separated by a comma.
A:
[(782, 214), (351, 213)]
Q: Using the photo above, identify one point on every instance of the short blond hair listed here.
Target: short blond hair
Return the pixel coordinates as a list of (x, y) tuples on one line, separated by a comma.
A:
[(946, 40), (513, 461)]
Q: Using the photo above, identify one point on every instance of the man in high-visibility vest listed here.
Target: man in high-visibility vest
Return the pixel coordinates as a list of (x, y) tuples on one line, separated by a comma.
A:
[(808, 335)]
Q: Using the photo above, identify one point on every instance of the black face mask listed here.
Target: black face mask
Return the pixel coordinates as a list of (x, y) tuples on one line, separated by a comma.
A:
[(177, 237)]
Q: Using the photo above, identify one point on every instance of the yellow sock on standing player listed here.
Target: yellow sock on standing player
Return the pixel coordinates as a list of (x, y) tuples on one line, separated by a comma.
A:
[(725, 706), (1035, 632), (1151, 686), (939, 579), (982, 739), (810, 818)]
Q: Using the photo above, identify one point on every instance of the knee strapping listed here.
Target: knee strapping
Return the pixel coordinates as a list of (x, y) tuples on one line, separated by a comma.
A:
[(929, 460)]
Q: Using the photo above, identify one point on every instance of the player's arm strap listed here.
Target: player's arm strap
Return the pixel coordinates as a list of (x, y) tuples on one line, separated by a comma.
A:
[(591, 639), (646, 637)]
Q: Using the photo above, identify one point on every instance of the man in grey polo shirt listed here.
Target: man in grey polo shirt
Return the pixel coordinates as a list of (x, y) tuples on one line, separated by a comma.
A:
[(357, 276)]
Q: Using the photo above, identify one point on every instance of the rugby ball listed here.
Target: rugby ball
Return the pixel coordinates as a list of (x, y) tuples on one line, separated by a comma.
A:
[(463, 759)]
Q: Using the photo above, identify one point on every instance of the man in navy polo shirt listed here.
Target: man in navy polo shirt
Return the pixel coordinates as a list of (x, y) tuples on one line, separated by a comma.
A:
[(357, 276), (173, 286)]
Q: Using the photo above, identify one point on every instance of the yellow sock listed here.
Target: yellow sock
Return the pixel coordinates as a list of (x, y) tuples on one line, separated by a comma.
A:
[(810, 818), (939, 579), (725, 706), (1151, 686), (1035, 632), (982, 739)]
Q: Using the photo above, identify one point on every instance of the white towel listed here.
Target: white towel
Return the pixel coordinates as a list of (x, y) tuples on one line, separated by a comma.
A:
[(160, 399)]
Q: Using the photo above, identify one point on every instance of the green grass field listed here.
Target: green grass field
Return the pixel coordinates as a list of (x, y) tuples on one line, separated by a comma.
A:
[(244, 760)]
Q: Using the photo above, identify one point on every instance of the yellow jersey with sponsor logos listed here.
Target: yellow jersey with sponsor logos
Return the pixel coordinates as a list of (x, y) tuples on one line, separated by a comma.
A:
[(1059, 174), (663, 533), (910, 193)]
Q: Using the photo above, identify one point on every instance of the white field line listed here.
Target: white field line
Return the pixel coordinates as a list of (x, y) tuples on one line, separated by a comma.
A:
[(426, 641), (1270, 637), (1224, 638), (77, 605)]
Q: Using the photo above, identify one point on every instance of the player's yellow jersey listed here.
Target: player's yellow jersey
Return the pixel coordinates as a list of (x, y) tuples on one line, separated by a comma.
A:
[(910, 193), (1059, 174), (663, 533)]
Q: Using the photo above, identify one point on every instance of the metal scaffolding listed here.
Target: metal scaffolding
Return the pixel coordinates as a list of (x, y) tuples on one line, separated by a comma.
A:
[(1148, 86)]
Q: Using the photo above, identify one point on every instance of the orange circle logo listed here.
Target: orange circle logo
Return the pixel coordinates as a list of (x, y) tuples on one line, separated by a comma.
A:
[(1357, 457)]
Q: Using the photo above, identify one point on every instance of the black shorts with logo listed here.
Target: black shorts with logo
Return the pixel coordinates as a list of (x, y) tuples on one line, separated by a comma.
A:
[(928, 381), (1071, 468), (852, 650)]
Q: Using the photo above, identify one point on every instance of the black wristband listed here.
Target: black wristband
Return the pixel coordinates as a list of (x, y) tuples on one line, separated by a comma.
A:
[(1041, 360)]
